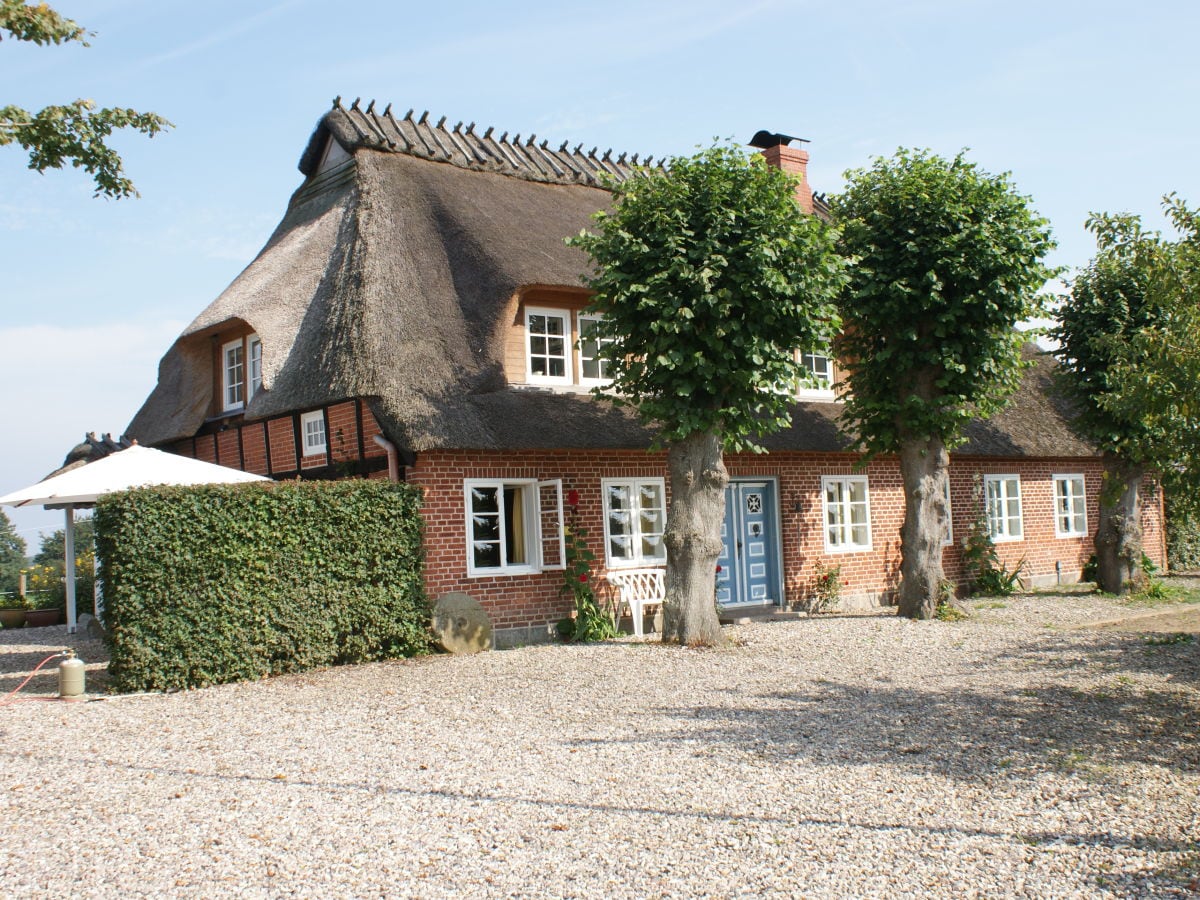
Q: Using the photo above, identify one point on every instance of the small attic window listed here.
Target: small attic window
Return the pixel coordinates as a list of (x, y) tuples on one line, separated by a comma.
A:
[(333, 155)]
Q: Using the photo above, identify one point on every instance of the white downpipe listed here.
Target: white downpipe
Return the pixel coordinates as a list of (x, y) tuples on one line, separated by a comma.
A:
[(393, 456)]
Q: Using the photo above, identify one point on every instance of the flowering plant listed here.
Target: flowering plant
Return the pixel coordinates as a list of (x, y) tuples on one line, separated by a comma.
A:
[(827, 591), (592, 621)]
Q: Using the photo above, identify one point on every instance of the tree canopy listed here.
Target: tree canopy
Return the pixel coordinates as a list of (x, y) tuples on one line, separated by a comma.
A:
[(947, 260), (12, 554), (75, 132), (708, 279), (1129, 345)]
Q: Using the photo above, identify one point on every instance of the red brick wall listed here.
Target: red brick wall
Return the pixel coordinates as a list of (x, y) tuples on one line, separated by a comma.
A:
[(522, 600)]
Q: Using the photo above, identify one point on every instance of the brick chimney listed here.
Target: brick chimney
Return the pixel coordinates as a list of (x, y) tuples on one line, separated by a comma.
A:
[(794, 160)]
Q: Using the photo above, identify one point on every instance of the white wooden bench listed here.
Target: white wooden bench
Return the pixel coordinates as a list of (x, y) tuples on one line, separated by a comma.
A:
[(637, 589)]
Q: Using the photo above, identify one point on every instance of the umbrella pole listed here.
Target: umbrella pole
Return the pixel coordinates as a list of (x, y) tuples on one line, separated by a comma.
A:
[(69, 547)]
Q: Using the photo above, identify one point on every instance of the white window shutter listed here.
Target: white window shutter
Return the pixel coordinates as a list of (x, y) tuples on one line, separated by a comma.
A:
[(552, 539)]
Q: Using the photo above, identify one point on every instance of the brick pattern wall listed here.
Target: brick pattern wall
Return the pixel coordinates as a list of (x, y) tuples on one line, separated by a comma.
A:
[(515, 601), (269, 447)]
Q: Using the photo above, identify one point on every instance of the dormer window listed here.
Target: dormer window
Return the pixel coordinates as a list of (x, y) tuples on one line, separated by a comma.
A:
[(816, 376), (548, 346), (592, 369), (241, 371)]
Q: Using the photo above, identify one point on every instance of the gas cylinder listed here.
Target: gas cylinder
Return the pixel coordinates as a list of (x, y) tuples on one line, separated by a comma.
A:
[(71, 680)]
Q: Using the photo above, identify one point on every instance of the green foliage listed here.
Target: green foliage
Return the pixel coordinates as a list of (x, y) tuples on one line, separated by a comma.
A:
[(949, 612), (592, 621), (827, 588), (12, 554), (708, 279), (1129, 339), (53, 548), (947, 260), (206, 585), (74, 132), (1183, 532)]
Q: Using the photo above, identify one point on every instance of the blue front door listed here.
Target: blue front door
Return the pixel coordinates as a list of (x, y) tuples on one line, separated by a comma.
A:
[(749, 557)]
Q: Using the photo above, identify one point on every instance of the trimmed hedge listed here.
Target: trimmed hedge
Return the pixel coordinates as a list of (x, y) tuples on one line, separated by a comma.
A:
[(204, 585)]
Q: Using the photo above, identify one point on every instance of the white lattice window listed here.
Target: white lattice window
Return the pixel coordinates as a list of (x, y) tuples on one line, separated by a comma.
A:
[(1003, 499), (847, 513), (241, 371), (1070, 506), (312, 429), (816, 376), (514, 527), (592, 369), (635, 517), (548, 346)]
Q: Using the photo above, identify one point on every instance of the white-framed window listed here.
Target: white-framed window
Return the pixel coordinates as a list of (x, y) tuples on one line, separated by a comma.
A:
[(1002, 494), (241, 371), (1070, 506), (635, 517), (847, 513), (548, 346), (312, 428), (514, 527), (254, 352), (816, 376), (592, 369)]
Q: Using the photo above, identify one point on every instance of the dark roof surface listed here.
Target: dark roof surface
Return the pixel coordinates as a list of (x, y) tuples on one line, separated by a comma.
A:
[(396, 277)]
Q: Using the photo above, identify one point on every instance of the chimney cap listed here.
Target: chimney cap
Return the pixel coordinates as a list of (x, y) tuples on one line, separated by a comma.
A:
[(764, 139)]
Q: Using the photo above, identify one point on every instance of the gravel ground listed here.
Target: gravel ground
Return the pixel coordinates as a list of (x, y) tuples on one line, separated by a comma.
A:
[(1012, 755)]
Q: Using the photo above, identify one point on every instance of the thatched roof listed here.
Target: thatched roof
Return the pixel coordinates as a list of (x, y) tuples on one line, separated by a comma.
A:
[(394, 277)]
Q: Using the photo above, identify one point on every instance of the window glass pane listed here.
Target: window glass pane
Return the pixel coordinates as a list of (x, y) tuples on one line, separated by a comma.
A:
[(554, 324), (485, 527), (537, 325), (235, 376), (858, 535), (558, 367)]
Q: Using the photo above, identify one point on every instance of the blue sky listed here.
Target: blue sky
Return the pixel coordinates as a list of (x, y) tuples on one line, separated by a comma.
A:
[(1090, 105)]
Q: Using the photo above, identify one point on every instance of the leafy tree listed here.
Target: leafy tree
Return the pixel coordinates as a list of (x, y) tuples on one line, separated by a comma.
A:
[(74, 132), (947, 259), (12, 555), (53, 549), (708, 279), (1129, 343)]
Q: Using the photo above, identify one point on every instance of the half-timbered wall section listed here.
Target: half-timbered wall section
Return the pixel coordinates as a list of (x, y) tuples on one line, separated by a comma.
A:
[(276, 447)]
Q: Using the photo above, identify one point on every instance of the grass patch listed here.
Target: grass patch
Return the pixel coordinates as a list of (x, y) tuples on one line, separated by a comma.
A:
[(1161, 593), (1166, 640), (992, 604)]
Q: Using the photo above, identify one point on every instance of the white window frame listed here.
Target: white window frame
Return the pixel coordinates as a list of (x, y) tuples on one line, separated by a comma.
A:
[(229, 401), (253, 366), (535, 493), (1077, 505), (804, 392), (311, 448), (568, 347), (250, 381), (845, 525), (583, 379), (1000, 526), (634, 488)]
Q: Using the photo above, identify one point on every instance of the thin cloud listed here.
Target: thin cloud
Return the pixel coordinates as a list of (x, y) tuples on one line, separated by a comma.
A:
[(218, 37)]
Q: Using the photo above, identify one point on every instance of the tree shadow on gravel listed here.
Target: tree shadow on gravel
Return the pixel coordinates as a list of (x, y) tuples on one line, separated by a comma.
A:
[(1038, 724)]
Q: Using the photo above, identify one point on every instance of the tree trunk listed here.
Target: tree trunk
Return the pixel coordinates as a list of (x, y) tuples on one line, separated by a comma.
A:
[(923, 465), (693, 539), (1119, 534)]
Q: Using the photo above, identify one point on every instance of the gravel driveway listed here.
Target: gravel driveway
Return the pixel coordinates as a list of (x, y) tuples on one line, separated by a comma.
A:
[(1010, 755)]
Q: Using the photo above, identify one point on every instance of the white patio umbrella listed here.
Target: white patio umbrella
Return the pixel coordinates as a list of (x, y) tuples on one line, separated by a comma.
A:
[(129, 468)]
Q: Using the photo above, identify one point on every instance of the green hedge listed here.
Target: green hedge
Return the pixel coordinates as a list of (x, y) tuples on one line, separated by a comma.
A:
[(205, 585), (1183, 533)]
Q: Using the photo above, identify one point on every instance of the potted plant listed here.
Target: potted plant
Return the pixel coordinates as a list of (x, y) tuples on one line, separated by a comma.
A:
[(47, 611), (12, 611)]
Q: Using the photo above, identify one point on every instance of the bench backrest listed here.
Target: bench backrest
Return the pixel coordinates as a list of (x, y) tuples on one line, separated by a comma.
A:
[(646, 585)]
